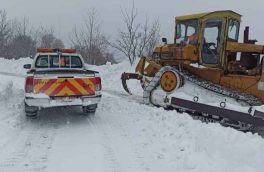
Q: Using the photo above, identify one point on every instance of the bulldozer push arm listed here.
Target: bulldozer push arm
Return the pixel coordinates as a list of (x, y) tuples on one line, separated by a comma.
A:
[(141, 71), (127, 76)]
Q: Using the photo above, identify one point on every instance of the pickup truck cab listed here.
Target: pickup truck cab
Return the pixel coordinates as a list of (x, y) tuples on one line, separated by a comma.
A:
[(58, 77)]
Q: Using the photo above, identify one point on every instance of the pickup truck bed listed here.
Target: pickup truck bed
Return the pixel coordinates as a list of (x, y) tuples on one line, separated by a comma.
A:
[(51, 87)]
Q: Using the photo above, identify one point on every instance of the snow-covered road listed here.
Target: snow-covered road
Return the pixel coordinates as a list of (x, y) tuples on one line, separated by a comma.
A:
[(123, 136)]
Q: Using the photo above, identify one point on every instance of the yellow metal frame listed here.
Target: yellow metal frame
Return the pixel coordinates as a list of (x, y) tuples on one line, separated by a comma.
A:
[(215, 14), (200, 41), (202, 17)]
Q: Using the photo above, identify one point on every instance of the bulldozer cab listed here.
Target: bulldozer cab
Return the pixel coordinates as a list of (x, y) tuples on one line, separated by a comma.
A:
[(209, 33)]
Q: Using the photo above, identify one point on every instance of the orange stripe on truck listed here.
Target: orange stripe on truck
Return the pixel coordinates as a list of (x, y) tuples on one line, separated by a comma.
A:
[(87, 84), (65, 86)]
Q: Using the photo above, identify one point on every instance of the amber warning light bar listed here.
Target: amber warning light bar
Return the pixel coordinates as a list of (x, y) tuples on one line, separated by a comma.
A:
[(54, 50)]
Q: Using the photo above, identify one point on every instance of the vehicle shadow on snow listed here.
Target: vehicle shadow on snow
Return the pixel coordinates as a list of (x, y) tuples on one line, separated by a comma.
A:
[(61, 116)]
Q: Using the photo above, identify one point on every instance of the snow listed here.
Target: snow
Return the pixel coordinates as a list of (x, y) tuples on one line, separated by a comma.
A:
[(124, 135), (38, 95), (6, 90), (196, 65), (14, 66)]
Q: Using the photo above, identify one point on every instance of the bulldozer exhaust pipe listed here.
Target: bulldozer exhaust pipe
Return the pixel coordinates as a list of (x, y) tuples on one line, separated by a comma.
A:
[(246, 34)]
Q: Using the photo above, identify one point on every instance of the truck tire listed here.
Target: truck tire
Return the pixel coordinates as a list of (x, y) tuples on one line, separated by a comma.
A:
[(31, 111), (91, 109)]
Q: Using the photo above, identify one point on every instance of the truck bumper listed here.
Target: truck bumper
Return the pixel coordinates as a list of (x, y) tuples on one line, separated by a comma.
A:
[(48, 102)]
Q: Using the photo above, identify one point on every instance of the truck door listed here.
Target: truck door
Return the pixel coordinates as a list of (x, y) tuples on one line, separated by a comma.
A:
[(212, 41)]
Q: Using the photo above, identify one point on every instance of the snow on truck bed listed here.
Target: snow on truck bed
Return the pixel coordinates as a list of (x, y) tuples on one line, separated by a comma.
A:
[(124, 135)]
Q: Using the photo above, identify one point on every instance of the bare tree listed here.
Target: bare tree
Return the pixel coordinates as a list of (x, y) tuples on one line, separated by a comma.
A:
[(149, 38), (22, 43), (46, 38), (90, 41), (155, 35), (19, 39), (58, 43), (21, 27), (128, 40), (5, 33), (22, 46), (136, 39)]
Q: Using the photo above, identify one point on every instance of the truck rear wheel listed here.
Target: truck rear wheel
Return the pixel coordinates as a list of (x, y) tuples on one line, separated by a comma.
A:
[(91, 109), (31, 111)]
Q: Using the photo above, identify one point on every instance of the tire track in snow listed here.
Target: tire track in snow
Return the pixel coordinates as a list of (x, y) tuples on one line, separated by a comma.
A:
[(109, 151), (32, 145), (28, 149), (116, 129), (129, 98)]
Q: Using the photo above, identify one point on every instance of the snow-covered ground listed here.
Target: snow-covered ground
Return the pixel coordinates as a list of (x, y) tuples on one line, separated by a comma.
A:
[(123, 136)]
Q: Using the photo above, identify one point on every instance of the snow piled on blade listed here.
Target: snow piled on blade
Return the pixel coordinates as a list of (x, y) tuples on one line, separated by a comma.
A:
[(123, 135)]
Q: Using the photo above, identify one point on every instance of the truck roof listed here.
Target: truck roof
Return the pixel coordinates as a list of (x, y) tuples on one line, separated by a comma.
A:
[(55, 53)]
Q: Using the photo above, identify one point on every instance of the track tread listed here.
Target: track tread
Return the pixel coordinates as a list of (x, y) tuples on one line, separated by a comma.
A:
[(238, 96)]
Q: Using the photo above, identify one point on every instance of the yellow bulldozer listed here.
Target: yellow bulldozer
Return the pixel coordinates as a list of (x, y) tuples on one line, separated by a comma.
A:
[(206, 52)]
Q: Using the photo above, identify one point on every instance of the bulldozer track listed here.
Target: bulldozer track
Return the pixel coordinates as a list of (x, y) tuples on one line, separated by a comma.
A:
[(238, 96)]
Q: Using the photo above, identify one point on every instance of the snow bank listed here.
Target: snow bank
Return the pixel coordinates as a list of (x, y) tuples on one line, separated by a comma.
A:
[(167, 141), (11, 99), (6, 90), (14, 66)]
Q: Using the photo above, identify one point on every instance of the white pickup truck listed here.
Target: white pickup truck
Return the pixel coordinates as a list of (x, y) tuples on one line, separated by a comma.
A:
[(58, 77)]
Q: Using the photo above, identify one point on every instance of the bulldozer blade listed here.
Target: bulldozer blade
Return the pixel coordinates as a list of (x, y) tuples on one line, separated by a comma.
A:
[(127, 76)]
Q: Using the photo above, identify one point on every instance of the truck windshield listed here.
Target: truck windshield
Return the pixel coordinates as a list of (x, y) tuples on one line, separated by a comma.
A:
[(56, 61)]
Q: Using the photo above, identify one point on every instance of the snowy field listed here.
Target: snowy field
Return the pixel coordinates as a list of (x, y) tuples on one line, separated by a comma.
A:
[(123, 136)]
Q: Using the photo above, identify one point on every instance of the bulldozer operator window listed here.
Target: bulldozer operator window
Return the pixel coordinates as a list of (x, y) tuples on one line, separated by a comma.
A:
[(211, 45), (185, 30), (180, 36), (233, 29)]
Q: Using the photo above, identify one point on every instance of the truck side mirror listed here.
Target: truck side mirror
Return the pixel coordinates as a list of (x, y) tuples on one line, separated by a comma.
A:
[(164, 40), (27, 66)]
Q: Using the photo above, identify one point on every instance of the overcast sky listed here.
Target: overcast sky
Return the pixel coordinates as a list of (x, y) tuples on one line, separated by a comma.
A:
[(63, 15)]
